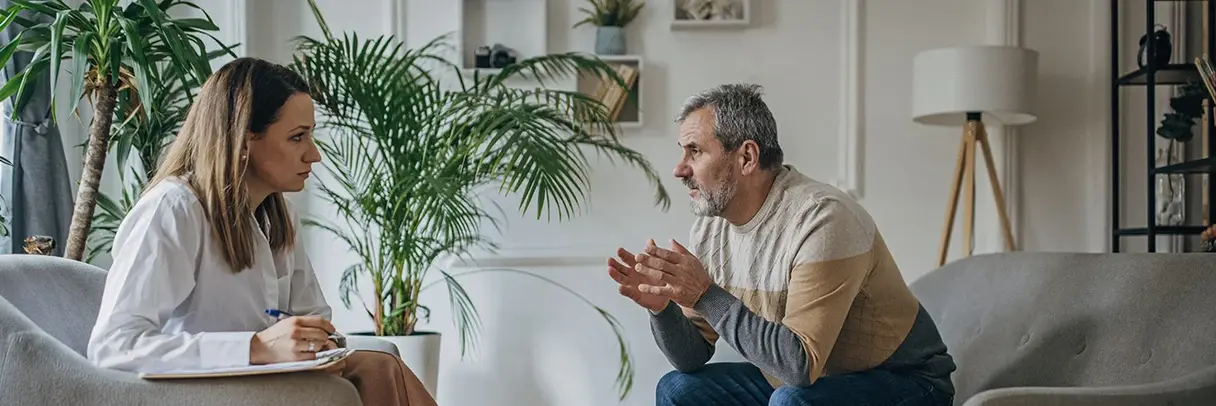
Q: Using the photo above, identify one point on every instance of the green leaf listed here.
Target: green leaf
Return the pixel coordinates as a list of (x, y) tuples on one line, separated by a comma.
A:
[(57, 42), (140, 65), (196, 23), (7, 51), (123, 150), (10, 88), (36, 68), (40, 6), (80, 57), (115, 59), (9, 17)]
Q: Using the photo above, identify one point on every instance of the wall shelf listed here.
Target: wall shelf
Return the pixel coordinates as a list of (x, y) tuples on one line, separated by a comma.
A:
[(1171, 74), (521, 25)]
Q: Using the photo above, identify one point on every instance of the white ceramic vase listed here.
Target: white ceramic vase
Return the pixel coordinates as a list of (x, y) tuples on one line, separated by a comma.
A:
[(420, 352)]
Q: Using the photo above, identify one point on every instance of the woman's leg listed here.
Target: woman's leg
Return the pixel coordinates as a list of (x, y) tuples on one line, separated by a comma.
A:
[(382, 379)]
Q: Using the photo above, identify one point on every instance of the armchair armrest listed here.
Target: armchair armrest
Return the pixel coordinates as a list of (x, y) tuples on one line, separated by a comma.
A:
[(369, 343), (1198, 388), (37, 369)]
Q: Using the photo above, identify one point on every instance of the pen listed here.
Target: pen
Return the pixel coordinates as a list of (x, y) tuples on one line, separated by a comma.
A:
[(277, 314), (338, 338)]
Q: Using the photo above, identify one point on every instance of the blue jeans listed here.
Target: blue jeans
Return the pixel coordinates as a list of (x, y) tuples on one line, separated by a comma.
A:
[(743, 384)]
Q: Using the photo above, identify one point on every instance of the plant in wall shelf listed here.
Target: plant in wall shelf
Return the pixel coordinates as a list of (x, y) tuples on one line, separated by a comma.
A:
[(110, 50), (610, 18), (406, 154)]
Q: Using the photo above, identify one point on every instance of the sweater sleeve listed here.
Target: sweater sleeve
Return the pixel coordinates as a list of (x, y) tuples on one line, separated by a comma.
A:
[(831, 264), (684, 337)]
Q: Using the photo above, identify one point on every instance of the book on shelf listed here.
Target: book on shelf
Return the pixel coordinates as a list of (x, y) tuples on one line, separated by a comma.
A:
[(1206, 72), (612, 96)]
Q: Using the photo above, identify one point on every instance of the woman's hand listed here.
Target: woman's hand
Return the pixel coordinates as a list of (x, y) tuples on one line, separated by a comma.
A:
[(290, 339)]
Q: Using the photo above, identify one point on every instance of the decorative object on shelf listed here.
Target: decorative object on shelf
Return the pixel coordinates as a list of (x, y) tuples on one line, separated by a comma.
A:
[(1188, 107), (1170, 187), (39, 245), (1208, 239), (960, 86), (610, 18), (481, 57), (710, 10), (494, 57), (1162, 47)]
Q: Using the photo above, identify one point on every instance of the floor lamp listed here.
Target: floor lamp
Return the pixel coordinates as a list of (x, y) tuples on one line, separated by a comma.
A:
[(967, 86)]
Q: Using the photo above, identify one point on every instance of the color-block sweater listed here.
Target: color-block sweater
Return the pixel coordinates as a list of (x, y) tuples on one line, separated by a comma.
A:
[(806, 288)]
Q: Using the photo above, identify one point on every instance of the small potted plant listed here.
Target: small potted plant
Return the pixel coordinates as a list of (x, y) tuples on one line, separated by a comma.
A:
[(610, 18)]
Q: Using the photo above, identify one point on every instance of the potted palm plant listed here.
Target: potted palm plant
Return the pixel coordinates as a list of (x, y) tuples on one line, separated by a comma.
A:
[(610, 18), (406, 153), (109, 49)]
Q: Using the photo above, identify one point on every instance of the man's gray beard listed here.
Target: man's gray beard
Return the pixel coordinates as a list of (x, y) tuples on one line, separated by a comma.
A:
[(712, 202)]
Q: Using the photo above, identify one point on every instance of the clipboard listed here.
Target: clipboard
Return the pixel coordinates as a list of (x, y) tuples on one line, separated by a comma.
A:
[(324, 360)]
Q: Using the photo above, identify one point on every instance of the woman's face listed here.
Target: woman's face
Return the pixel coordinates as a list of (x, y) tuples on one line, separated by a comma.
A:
[(281, 158)]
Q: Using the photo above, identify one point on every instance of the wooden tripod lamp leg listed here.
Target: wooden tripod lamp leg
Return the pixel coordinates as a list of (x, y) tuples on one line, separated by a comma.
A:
[(969, 184), (996, 189), (952, 207)]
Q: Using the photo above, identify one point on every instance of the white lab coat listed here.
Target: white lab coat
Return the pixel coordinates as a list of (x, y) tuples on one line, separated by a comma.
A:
[(172, 302)]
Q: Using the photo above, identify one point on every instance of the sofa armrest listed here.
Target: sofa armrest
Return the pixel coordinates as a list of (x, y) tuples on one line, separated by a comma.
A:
[(1198, 388), (37, 369), (367, 343)]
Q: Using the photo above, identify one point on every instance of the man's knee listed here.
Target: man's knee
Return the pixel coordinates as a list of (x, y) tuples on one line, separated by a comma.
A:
[(788, 396), (676, 385)]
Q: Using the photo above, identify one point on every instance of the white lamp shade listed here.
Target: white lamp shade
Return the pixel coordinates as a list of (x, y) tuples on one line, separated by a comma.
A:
[(998, 81)]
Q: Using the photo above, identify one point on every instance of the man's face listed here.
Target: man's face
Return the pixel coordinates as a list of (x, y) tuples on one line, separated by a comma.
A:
[(705, 168)]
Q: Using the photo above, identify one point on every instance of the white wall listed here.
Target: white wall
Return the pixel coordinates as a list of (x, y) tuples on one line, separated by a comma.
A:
[(542, 346)]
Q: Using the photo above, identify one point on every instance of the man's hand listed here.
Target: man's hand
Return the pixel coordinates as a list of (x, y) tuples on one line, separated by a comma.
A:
[(623, 272), (679, 274)]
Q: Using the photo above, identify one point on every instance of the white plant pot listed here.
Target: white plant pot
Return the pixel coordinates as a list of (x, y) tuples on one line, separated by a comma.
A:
[(420, 352)]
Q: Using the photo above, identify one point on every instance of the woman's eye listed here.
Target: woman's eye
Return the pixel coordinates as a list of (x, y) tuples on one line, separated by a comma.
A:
[(297, 137)]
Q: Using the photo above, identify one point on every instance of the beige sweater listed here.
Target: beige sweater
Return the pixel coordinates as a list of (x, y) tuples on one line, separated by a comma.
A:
[(806, 288)]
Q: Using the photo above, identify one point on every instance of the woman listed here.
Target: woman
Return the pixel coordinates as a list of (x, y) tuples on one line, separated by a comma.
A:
[(212, 245)]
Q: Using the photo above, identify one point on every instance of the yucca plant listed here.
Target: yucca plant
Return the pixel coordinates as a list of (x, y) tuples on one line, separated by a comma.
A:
[(145, 135), (109, 49), (408, 152), (610, 13)]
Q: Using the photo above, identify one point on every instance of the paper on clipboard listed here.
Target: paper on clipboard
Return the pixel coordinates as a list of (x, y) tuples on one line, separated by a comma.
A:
[(324, 360)]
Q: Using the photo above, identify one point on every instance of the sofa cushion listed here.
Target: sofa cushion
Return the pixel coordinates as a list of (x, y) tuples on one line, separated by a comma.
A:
[(1067, 319)]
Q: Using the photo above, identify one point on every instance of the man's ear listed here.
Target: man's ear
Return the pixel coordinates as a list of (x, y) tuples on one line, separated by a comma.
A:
[(749, 157)]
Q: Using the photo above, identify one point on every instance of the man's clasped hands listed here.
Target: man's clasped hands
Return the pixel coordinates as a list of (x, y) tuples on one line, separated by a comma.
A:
[(658, 275)]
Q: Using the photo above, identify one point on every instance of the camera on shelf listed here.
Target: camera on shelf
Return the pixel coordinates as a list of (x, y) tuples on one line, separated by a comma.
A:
[(497, 56)]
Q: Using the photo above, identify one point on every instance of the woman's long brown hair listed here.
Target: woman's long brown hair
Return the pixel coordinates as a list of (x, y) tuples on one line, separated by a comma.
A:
[(241, 98)]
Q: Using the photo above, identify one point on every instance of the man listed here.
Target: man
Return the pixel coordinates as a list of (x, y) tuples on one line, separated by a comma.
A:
[(791, 272)]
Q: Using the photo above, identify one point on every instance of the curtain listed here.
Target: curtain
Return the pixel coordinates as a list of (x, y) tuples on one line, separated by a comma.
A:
[(38, 190)]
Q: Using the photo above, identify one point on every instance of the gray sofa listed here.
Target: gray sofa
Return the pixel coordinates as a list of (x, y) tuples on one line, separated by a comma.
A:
[(1078, 329), (48, 306)]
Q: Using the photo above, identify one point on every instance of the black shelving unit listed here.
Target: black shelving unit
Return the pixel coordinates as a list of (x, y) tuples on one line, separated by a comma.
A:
[(1151, 76)]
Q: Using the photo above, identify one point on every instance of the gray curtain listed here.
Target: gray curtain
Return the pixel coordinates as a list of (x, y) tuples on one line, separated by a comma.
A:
[(40, 198)]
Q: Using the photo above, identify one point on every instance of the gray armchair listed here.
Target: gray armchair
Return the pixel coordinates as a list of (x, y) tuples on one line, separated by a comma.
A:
[(48, 306), (1078, 329)]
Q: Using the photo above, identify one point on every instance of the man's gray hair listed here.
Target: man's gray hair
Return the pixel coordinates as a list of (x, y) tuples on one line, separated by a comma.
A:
[(740, 114)]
